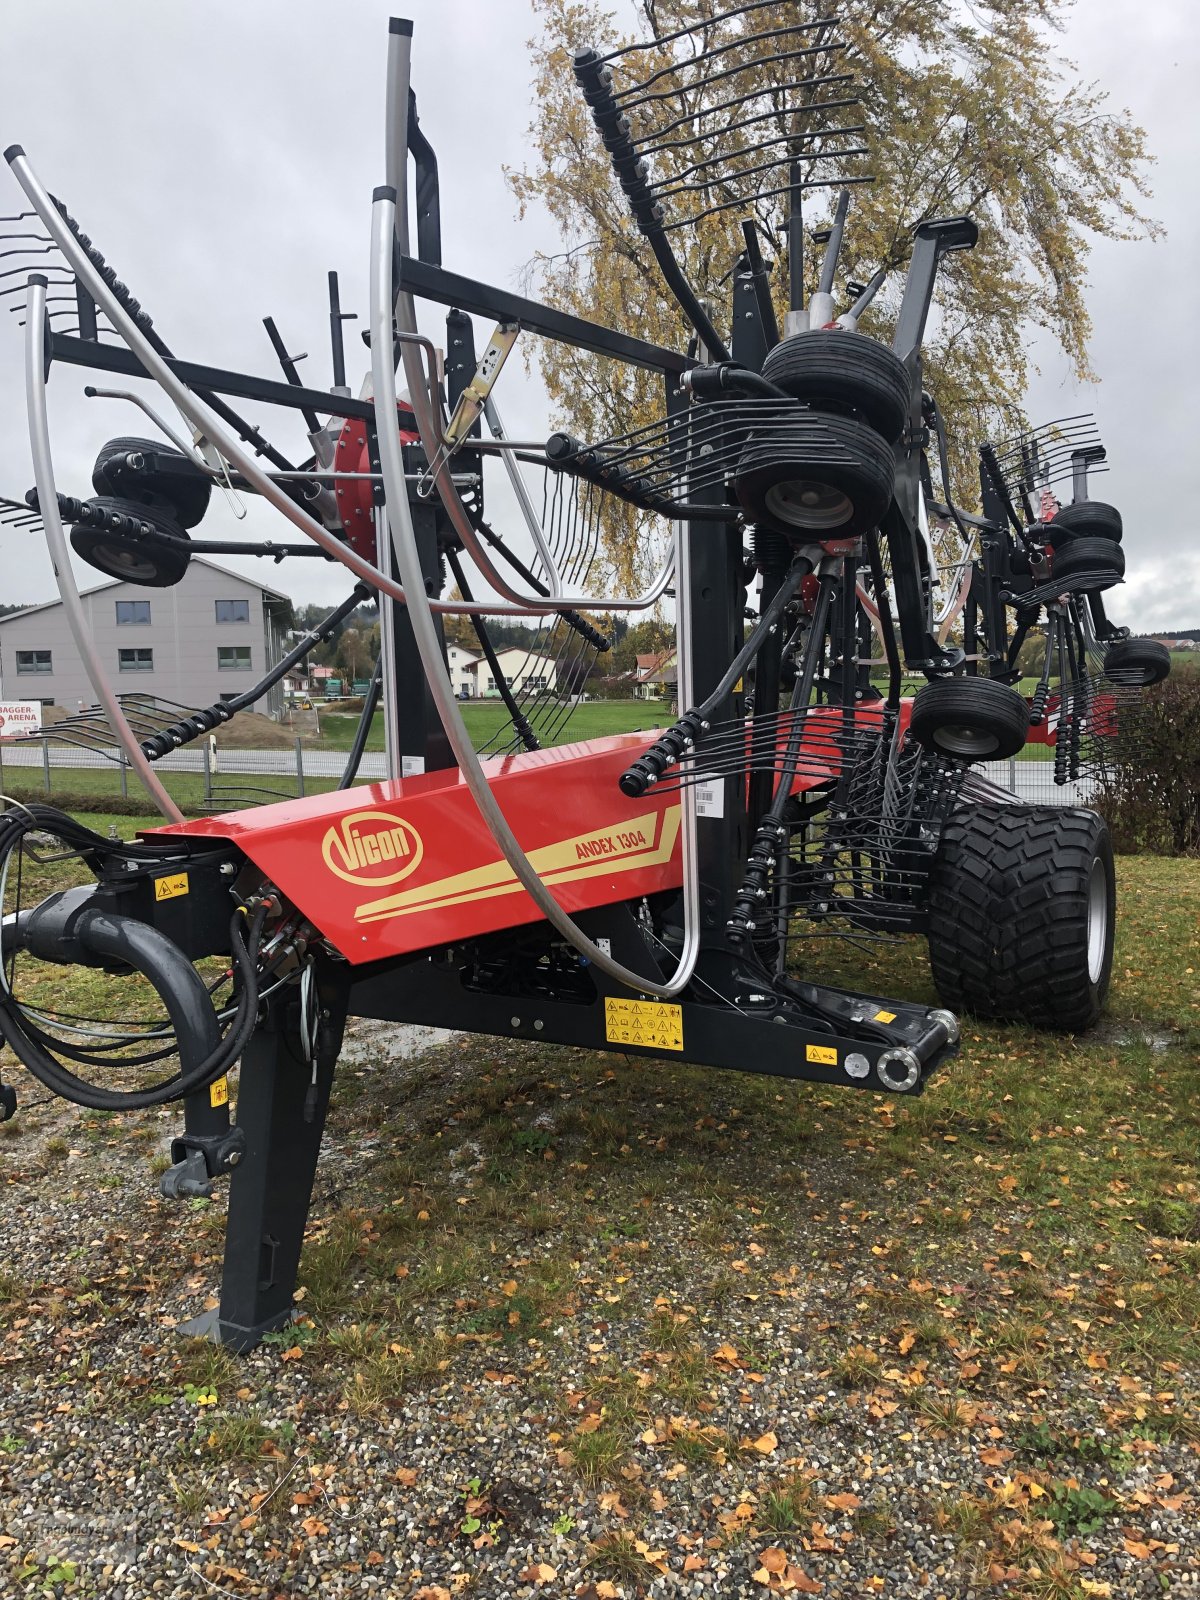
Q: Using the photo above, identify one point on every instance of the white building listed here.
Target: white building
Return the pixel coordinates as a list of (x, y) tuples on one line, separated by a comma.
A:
[(462, 665), (209, 638), (523, 670)]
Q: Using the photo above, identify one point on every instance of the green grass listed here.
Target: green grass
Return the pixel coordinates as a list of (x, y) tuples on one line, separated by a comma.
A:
[(485, 717)]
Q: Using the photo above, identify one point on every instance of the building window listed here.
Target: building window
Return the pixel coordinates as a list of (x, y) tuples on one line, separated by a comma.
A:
[(233, 657), (135, 660), (34, 661), (133, 611), (233, 611), (491, 684)]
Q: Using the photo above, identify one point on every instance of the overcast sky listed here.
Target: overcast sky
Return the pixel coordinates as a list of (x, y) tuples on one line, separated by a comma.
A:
[(223, 155)]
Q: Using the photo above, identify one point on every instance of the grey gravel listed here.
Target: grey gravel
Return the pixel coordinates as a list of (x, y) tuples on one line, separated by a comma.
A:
[(106, 1461)]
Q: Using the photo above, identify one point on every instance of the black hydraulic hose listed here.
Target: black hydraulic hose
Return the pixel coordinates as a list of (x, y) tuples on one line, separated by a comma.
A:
[(771, 832), (516, 716), (687, 732), (707, 383), (370, 703), (55, 1077)]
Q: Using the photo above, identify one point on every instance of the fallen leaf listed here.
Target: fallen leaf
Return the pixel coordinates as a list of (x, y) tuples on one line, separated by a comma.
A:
[(843, 1502), (765, 1443), (540, 1572)]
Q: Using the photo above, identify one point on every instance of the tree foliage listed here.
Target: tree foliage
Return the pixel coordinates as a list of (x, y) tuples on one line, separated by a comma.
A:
[(968, 109)]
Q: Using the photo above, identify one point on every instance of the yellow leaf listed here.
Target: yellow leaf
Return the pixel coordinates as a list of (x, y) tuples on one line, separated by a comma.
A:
[(765, 1443), (509, 1288), (774, 1559), (843, 1502), (540, 1572)]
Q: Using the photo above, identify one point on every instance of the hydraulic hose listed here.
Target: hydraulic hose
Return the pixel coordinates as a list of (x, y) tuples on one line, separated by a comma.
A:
[(204, 1055)]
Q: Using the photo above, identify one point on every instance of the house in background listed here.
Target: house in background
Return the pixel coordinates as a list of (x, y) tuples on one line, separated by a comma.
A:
[(462, 665), (209, 638), (527, 673), (656, 675)]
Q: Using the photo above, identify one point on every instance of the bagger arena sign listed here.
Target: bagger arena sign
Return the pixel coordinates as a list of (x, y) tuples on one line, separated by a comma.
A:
[(20, 716)]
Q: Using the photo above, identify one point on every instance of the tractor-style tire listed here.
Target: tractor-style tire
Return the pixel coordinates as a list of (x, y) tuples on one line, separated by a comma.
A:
[(1137, 663), (154, 562), (847, 371), (1091, 518), (970, 719), (1088, 555), (816, 477), (1022, 903), (184, 498)]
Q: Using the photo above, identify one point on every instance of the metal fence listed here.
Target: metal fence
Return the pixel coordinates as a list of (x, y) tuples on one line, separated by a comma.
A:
[(234, 777)]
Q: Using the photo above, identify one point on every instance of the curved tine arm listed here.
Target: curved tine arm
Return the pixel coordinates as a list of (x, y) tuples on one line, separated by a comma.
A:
[(532, 521), (56, 540), (420, 615), (201, 416)]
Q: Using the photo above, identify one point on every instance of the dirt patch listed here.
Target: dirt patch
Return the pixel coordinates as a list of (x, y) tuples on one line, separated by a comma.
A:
[(250, 730)]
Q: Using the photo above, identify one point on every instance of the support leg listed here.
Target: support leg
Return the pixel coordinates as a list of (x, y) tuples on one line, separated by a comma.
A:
[(282, 1117)]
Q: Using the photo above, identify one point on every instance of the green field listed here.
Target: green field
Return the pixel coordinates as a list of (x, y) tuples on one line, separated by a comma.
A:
[(485, 717)]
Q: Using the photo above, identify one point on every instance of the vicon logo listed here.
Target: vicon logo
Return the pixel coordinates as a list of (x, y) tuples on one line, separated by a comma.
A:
[(372, 847)]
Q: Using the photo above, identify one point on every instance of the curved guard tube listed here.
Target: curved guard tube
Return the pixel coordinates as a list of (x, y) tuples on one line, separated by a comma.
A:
[(383, 216), (56, 540)]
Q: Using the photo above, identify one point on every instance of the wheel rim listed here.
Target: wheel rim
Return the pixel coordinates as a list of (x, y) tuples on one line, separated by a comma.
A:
[(127, 563), (1097, 921), (961, 740), (803, 503)]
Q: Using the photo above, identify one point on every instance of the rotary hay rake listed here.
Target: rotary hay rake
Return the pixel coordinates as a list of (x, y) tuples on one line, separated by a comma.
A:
[(606, 894)]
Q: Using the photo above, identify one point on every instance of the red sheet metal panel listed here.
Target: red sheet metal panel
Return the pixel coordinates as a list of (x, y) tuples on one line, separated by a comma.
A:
[(389, 868)]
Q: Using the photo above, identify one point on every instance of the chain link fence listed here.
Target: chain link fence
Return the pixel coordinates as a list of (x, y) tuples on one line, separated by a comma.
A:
[(204, 779)]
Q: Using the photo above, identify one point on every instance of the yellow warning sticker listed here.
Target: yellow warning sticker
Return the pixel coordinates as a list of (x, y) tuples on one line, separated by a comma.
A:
[(218, 1093), (884, 1016), (168, 888), (652, 1024), (825, 1054)]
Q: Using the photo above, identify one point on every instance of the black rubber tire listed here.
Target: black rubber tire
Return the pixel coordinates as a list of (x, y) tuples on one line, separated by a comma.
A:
[(845, 370), (184, 498), (970, 719), (844, 459), (152, 563), (1137, 662), (1085, 517), (1012, 901), (1088, 555)]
